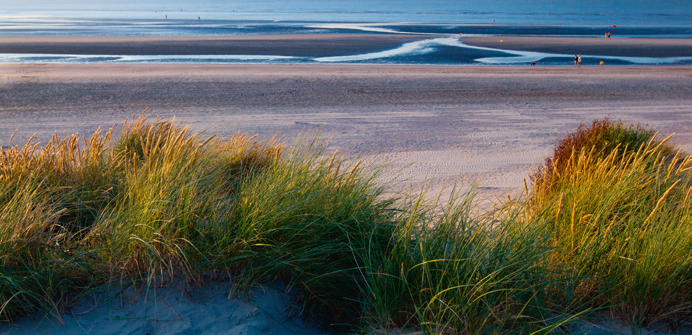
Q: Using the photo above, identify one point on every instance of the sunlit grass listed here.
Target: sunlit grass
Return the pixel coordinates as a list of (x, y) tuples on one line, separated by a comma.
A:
[(620, 223), (76, 213), (606, 226)]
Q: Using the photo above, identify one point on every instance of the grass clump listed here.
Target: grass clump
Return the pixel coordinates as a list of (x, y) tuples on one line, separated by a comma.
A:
[(76, 214), (308, 220), (448, 271), (601, 137), (619, 217)]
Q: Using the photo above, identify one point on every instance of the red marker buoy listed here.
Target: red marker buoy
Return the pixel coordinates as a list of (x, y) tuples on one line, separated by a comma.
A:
[(614, 26)]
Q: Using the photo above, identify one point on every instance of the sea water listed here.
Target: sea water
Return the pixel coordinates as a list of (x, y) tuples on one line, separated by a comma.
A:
[(633, 18), (529, 12)]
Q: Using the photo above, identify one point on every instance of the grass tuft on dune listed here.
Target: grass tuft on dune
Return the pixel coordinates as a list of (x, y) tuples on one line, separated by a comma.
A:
[(606, 226), (616, 203)]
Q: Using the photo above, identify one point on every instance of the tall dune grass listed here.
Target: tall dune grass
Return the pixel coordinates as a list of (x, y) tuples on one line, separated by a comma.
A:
[(77, 214), (619, 215), (308, 220), (451, 272), (607, 229)]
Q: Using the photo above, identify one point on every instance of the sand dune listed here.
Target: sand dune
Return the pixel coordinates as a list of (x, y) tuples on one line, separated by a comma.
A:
[(428, 123), (175, 309)]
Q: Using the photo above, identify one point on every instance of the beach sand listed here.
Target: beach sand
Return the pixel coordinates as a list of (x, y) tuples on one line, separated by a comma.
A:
[(428, 123), (176, 308)]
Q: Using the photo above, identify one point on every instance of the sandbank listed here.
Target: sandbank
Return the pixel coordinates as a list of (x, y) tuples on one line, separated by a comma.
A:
[(312, 45)]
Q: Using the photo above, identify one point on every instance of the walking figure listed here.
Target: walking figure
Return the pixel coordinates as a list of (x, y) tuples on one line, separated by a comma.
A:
[(579, 61), (576, 60)]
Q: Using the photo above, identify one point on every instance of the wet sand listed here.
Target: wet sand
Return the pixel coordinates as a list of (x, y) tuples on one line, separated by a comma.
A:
[(308, 45), (428, 122)]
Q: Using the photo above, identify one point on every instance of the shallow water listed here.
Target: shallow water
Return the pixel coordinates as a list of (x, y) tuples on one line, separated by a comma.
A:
[(632, 18), (437, 50)]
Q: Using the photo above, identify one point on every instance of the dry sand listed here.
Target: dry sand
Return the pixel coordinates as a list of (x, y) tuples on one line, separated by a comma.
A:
[(175, 309), (426, 122), (435, 122)]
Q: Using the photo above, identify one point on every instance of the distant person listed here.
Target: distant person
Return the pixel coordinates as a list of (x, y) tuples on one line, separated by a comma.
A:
[(579, 60), (576, 60), (493, 21)]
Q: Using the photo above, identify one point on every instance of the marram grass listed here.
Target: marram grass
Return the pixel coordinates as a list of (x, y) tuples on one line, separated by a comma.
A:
[(607, 228), (77, 214), (620, 223)]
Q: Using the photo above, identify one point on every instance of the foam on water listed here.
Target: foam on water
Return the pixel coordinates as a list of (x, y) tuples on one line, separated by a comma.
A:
[(430, 45), (407, 49), (196, 58), (519, 57)]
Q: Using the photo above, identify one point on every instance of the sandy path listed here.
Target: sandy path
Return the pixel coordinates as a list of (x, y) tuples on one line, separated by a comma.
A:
[(435, 122)]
